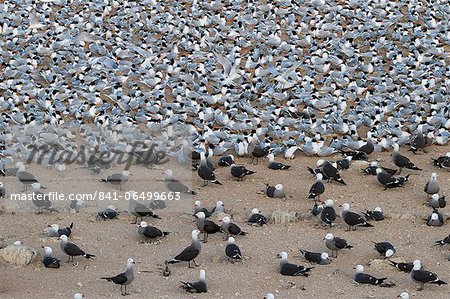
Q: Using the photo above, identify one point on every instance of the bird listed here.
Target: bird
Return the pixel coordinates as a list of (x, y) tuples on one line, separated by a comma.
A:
[(125, 278), (269, 296), (78, 296), (117, 179), (226, 160), (444, 241), (317, 188), (230, 228), (316, 257), (385, 249), (289, 269), (436, 202), (198, 286), (24, 177), (376, 214), (149, 232), (403, 295), (48, 259), (364, 150), (175, 185), (218, 208), (198, 208), (256, 217), (419, 142), (205, 173), (432, 186), (335, 244), (276, 165), (240, 172), (259, 152), (331, 172), (2, 190), (363, 278), (232, 251), (353, 219), (435, 219), (404, 267), (53, 230), (401, 161), (316, 209), (328, 215), (191, 252), (372, 169), (108, 213), (72, 250), (139, 210), (206, 226), (275, 191), (388, 181), (41, 200), (421, 277), (344, 163)]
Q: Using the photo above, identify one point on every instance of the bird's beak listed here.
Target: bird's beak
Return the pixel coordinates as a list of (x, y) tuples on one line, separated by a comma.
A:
[(278, 256), (323, 239), (130, 174), (340, 206)]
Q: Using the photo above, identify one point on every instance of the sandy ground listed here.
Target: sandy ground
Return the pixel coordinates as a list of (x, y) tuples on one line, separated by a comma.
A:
[(114, 241)]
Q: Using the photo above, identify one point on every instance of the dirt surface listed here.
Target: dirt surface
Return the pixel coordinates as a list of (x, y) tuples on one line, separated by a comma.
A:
[(114, 241)]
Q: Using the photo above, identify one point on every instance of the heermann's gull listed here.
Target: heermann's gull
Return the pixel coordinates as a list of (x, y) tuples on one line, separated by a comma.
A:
[(372, 169), (403, 295), (232, 251), (363, 151), (26, 178), (269, 296), (363, 278), (230, 228), (442, 161), (258, 151), (385, 249), (124, 278), (376, 214), (432, 186), (437, 202), (316, 257), (335, 244), (198, 208), (206, 226), (2, 190), (240, 172), (344, 163), (41, 200), (353, 219), (226, 160), (444, 241), (175, 185), (423, 276), (289, 269), (71, 249), (76, 205), (205, 173), (275, 191), (276, 165), (419, 141), (218, 208), (191, 252), (150, 232), (401, 161), (328, 215), (78, 296), (435, 219), (139, 210), (48, 259), (257, 218), (317, 188), (331, 172), (108, 213), (53, 230), (117, 179), (197, 286), (388, 181), (404, 267)]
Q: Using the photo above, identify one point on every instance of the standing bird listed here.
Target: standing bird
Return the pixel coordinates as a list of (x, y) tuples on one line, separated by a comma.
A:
[(257, 218), (401, 161), (124, 278), (206, 226), (419, 142), (423, 276), (388, 181), (117, 179), (231, 228), (139, 210), (385, 249), (205, 173), (276, 165), (328, 215), (26, 178), (259, 152), (226, 160), (48, 259), (331, 172), (316, 257), (275, 191), (232, 250), (240, 172), (175, 185), (335, 244), (317, 188), (198, 286), (2, 190), (71, 249), (289, 269), (150, 232), (363, 278), (376, 214), (41, 200), (191, 252), (432, 186), (353, 219)]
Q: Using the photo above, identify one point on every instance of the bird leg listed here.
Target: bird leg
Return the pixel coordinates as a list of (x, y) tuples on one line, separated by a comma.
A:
[(399, 171), (195, 264), (349, 228), (205, 237)]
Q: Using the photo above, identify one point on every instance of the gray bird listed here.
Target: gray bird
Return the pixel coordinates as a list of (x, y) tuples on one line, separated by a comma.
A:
[(197, 286), (191, 252), (71, 249), (335, 244), (432, 186), (125, 278), (49, 260), (437, 202), (275, 191), (421, 277), (2, 190), (139, 210), (117, 179)]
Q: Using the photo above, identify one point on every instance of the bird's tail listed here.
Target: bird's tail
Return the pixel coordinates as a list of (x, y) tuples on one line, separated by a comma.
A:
[(107, 278), (340, 180), (154, 215), (380, 280), (349, 247), (393, 263), (366, 224), (440, 242), (242, 233), (249, 172), (305, 272), (52, 209), (311, 170), (166, 233), (89, 256), (103, 180), (439, 282), (173, 261), (217, 182), (71, 225), (413, 167)]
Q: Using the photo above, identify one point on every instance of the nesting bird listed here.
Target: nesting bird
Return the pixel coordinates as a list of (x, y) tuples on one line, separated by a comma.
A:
[(289, 269), (197, 286), (257, 218)]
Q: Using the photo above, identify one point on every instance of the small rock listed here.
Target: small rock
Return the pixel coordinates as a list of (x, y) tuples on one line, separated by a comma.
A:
[(18, 254), (237, 294), (283, 217), (79, 285), (358, 165)]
